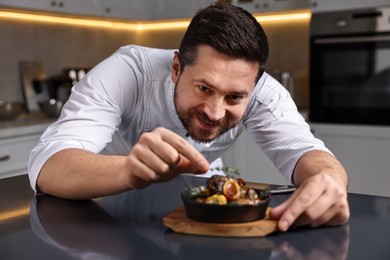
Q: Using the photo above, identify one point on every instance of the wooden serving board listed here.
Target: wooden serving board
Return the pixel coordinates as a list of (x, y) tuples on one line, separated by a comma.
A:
[(178, 221)]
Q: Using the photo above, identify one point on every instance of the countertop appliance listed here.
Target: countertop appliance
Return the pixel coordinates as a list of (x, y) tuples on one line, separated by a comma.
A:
[(61, 84), (39, 89), (350, 67)]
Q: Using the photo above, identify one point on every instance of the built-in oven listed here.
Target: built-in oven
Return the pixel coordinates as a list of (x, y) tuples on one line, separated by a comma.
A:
[(350, 67)]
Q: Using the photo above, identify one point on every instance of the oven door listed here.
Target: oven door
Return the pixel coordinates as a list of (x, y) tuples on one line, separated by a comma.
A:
[(350, 79)]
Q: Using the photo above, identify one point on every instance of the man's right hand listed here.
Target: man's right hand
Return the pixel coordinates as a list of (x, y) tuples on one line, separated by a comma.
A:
[(161, 155)]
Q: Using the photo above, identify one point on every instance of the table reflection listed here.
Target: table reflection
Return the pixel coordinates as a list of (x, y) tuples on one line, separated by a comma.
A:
[(129, 226), (326, 244), (83, 230)]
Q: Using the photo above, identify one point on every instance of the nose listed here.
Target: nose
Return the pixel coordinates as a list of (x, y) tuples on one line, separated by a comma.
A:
[(215, 109)]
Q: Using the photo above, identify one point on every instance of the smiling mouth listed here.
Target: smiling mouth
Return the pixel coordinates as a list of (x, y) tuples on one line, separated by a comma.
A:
[(207, 124)]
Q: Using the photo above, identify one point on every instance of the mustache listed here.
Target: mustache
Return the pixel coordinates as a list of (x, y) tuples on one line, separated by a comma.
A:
[(204, 117)]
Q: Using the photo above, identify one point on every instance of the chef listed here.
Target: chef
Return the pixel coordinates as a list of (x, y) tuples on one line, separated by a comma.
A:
[(146, 115)]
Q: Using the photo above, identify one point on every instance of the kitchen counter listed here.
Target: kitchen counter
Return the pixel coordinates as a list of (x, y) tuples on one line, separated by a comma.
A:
[(17, 138), (26, 123), (129, 226)]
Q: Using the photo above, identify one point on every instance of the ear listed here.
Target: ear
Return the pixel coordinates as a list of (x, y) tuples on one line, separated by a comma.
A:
[(175, 67)]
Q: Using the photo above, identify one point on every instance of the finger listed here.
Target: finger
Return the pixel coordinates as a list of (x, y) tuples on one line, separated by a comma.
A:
[(339, 219), (324, 219), (318, 212), (335, 215), (297, 204), (186, 150), (182, 165), (332, 202), (150, 159), (142, 174), (185, 165), (161, 156)]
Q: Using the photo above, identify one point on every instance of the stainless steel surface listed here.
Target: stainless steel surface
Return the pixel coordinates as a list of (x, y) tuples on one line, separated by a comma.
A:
[(272, 188), (352, 39), (351, 21), (350, 67)]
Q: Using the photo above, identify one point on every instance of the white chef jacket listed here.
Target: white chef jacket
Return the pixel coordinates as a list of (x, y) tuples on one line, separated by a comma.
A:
[(131, 92)]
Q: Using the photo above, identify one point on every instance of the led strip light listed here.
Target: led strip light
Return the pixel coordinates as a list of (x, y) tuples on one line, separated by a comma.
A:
[(4, 216), (134, 26)]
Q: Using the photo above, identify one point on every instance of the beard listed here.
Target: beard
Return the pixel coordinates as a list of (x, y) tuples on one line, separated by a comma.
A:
[(201, 135)]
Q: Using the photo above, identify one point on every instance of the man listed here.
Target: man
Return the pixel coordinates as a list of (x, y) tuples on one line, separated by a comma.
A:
[(146, 115)]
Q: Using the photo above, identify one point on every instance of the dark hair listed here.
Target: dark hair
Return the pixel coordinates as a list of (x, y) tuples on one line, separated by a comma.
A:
[(228, 29)]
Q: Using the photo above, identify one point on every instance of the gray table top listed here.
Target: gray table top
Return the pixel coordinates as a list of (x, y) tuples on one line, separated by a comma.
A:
[(129, 226)]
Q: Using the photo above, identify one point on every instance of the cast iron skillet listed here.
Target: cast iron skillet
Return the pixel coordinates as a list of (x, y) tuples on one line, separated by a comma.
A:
[(231, 213)]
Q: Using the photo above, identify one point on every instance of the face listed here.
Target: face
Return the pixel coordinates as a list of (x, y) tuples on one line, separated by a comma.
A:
[(211, 95)]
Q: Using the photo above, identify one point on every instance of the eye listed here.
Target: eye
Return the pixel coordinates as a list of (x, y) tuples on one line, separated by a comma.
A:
[(235, 98), (203, 89)]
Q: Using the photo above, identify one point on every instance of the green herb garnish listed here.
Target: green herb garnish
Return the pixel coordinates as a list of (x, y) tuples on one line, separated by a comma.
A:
[(196, 192), (227, 170)]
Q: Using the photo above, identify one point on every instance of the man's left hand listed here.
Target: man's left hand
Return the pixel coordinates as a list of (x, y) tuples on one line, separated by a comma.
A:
[(321, 196)]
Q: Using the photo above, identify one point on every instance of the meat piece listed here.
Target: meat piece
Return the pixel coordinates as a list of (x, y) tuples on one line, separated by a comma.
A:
[(215, 183)]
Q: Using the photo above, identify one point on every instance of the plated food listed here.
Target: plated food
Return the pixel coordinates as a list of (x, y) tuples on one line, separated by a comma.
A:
[(225, 199)]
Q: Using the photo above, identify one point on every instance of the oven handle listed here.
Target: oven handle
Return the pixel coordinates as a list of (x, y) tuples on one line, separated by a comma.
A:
[(379, 38)]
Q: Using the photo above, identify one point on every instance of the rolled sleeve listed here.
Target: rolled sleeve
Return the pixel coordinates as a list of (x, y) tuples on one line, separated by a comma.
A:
[(42, 152), (94, 111)]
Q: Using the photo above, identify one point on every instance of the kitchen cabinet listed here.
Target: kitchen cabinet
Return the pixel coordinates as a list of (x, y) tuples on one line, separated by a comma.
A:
[(153, 9), (15, 146), (121, 9), (124, 9), (262, 6), (87, 8), (14, 154), (146, 10), (178, 9), (364, 152), (173, 9), (339, 5)]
